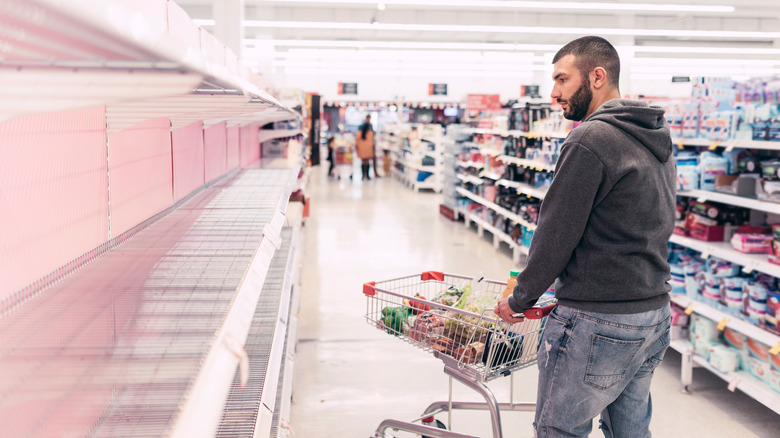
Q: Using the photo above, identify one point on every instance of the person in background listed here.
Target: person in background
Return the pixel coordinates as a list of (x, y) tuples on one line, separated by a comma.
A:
[(602, 237), (364, 144), (331, 155)]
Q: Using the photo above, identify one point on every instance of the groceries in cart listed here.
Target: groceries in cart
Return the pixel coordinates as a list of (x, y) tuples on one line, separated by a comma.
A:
[(452, 317), (456, 319)]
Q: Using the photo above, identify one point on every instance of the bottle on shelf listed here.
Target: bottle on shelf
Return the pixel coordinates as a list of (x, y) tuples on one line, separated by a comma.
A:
[(510, 284)]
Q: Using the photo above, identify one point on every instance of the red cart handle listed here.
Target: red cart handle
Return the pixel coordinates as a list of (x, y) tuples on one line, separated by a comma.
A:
[(432, 275), (368, 288), (538, 312)]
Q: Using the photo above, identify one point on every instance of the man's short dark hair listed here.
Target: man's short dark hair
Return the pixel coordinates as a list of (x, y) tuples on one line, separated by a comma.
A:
[(591, 52)]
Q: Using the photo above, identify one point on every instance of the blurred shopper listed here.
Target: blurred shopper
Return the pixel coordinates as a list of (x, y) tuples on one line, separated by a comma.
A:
[(364, 144), (331, 155), (602, 237)]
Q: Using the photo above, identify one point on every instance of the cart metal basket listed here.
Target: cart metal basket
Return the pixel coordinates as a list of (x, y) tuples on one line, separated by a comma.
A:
[(430, 311)]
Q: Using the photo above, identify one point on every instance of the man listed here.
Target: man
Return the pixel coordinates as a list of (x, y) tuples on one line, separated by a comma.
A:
[(602, 237)]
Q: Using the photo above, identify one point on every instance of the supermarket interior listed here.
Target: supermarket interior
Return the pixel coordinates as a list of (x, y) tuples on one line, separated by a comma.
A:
[(294, 218)]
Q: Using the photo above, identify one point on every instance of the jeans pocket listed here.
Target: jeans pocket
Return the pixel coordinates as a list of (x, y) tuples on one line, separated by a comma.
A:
[(609, 359)]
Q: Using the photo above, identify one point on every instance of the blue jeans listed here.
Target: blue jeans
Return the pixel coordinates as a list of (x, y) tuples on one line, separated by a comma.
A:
[(597, 363)]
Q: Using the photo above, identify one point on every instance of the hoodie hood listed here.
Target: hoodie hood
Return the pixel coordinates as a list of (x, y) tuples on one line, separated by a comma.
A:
[(645, 123)]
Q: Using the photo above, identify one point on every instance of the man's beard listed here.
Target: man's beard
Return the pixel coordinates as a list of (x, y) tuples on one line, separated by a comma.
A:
[(579, 102)]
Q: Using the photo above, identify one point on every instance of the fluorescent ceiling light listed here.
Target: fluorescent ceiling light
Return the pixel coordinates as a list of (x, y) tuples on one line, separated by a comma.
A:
[(359, 44), (716, 50), (492, 4), (406, 45), (342, 73), (718, 62), (408, 56), (401, 65), (511, 29)]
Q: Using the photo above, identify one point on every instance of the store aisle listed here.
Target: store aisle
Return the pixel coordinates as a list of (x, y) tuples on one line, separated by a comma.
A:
[(350, 376)]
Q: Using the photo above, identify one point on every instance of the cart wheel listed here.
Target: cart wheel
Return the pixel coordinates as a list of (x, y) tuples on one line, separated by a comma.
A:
[(438, 424)]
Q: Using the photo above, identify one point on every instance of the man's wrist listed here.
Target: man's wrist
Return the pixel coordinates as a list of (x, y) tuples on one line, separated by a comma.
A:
[(512, 305)]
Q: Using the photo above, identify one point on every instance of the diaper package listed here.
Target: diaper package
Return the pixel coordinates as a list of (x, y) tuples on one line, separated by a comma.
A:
[(758, 358), (724, 358)]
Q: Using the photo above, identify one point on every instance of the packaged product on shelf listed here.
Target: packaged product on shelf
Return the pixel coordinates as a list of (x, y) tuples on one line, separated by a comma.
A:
[(774, 253), (687, 178), (749, 163), (711, 293), (679, 323), (738, 343), (710, 166), (704, 334), (678, 278), (770, 170), (756, 310), (723, 358), (752, 243), (722, 268), (774, 372), (693, 279), (772, 317), (758, 359), (734, 298)]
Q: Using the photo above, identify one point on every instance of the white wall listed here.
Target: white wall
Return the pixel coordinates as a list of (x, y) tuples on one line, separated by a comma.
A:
[(415, 88), (409, 88)]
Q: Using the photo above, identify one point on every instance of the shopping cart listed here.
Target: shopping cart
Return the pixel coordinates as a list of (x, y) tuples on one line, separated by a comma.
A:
[(343, 153), (429, 312)]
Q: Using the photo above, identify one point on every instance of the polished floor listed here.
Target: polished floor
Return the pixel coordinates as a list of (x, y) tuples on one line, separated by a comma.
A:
[(349, 376)]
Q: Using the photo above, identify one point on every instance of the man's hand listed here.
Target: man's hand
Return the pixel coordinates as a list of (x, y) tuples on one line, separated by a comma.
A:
[(505, 312)]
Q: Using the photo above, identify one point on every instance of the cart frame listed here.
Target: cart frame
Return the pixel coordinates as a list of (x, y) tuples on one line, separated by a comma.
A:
[(514, 346)]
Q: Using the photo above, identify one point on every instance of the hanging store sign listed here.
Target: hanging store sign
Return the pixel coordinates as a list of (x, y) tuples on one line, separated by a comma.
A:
[(482, 102), (437, 89), (348, 88), (530, 91), (681, 78)]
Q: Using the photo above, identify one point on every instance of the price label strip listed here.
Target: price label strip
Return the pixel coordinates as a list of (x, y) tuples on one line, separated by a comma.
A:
[(680, 145), (714, 145), (722, 324), (775, 350), (689, 309), (733, 383)]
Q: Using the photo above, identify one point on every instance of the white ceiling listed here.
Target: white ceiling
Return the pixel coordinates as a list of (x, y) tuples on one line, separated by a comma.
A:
[(278, 34)]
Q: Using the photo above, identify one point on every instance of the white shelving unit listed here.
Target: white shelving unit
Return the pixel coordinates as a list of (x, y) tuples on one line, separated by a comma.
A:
[(171, 375), (498, 235), (492, 175), (527, 163), (745, 327), (724, 250), (751, 262), (270, 134), (741, 380), (738, 201), (729, 144), (523, 188), (409, 175)]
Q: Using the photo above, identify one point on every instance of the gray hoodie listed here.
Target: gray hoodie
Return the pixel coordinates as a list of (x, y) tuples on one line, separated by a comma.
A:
[(606, 220)]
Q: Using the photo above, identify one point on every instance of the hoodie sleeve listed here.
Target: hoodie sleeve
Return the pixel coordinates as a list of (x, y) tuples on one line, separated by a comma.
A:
[(562, 219)]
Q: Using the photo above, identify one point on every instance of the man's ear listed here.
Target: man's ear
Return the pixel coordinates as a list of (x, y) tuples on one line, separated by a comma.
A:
[(598, 77)]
